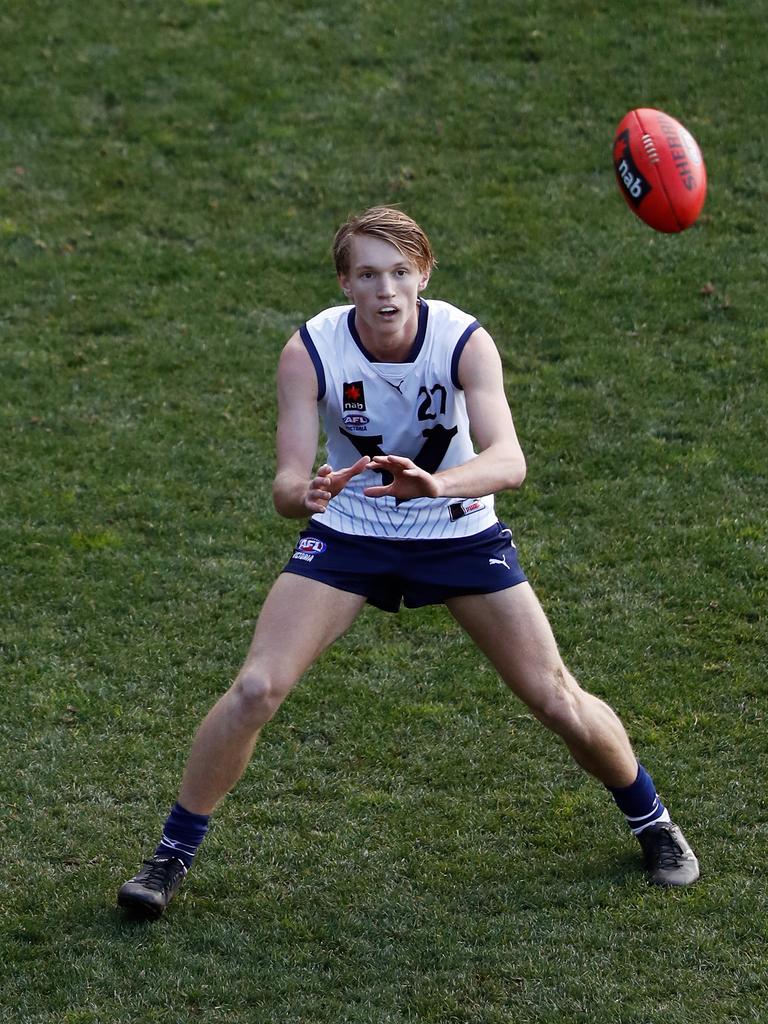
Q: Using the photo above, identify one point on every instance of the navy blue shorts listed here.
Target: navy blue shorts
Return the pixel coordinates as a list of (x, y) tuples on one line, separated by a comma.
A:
[(417, 572)]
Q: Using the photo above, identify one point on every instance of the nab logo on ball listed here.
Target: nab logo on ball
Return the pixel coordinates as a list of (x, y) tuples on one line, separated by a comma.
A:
[(636, 188)]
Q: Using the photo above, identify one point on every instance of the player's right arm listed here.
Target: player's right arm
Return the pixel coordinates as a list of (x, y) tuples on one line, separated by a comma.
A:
[(297, 491)]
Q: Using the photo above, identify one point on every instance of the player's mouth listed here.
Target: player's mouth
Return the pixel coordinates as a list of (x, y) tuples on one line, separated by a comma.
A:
[(388, 312)]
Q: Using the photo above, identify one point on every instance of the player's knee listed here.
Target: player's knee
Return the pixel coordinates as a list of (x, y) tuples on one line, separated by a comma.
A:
[(257, 695), (558, 706)]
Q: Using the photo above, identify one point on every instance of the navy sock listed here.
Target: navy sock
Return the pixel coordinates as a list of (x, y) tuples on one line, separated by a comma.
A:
[(182, 835), (639, 802)]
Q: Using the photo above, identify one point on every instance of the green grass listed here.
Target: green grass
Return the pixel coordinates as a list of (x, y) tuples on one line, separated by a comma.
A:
[(407, 845)]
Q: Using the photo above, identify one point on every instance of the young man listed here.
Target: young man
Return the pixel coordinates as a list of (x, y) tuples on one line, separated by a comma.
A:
[(402, 510)]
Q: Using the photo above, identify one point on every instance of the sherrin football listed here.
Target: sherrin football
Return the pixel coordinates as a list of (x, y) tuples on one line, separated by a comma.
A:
[(659, 169)]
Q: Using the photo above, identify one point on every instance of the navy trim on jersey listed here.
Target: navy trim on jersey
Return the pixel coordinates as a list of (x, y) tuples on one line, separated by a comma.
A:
[(418, 342), (315, 357), (457, 353)]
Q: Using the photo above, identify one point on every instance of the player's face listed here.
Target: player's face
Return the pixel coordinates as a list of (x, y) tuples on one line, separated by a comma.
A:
[(384, 286)]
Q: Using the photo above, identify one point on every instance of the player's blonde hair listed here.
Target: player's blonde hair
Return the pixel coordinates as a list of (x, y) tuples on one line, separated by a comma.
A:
[(391, 225)]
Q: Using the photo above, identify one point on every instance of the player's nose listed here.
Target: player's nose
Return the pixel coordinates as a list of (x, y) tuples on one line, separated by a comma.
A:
[(386, 286)]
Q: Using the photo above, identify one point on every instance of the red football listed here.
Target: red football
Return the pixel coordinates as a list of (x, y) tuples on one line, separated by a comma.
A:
[(659, 169)]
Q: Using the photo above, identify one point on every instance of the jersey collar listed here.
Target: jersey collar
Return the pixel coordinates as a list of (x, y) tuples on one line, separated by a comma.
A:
[(418, 341)]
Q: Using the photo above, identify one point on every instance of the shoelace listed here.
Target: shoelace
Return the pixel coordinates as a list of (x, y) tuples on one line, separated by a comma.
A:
[(669, 854), (158, 875)]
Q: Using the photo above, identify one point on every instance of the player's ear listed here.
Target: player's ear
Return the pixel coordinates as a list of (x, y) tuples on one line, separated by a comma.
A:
[(424, 280), (344, 285)]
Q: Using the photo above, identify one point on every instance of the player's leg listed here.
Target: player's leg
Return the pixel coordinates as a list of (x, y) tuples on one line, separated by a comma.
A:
[(511, 629), (300, 618), (513, 632)]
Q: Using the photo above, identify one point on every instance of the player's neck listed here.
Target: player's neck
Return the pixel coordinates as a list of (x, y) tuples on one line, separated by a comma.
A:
[(388, 346)]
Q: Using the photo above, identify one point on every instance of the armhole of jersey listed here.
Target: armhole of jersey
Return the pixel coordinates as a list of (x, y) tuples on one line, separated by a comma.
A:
[(317, 362), (458, 350)]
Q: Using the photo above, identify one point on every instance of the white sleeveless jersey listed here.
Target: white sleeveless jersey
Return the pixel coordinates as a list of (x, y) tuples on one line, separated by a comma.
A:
[(415, 408)]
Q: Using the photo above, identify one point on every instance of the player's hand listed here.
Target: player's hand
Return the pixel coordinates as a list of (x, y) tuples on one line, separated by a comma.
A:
[(328, 482), (410, 481)]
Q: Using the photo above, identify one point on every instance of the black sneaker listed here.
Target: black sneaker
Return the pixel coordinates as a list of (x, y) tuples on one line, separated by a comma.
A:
[(668, 857), (149, 892)]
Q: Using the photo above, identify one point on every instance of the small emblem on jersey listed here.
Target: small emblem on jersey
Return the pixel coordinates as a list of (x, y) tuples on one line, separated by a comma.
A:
[(498, 561), (356, 421), (308, 547), (459, 509), (354, 396)]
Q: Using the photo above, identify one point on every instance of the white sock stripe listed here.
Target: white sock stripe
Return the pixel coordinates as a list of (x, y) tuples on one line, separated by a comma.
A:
[(174, 844), (654, 810), (664, 816)]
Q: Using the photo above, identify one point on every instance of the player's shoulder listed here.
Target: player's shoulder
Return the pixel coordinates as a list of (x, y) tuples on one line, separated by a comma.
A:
[(328, 318), (446, 312), (450, 326)]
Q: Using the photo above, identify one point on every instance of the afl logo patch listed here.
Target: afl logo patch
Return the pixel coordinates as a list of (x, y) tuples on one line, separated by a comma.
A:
[(356, 421), (312, 545)]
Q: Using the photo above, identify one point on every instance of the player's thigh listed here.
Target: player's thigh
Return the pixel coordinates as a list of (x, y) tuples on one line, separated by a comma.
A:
[(511, 629), (299, 619)]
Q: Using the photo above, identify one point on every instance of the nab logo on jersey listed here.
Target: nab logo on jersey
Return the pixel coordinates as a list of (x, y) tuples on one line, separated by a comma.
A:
[(354, 396)]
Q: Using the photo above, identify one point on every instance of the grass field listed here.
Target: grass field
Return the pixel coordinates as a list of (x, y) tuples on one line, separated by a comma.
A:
[(408, 844)]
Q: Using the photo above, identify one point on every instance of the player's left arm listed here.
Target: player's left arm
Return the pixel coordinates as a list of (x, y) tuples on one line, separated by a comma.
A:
[(499, 464)]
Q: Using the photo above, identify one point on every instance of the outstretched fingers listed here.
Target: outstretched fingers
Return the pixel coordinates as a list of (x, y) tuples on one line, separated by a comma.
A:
[(345, 475), (327, 483), (409, 480), (319, 490)]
